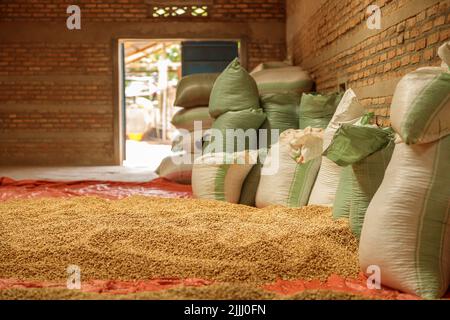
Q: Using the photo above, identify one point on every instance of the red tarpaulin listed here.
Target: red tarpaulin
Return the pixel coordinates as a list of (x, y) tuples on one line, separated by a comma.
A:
[(27, 189)]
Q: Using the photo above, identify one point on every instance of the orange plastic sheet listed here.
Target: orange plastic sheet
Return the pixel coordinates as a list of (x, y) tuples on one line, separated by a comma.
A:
[(334, 283), (26, 189), (337, 283), (108, 286)]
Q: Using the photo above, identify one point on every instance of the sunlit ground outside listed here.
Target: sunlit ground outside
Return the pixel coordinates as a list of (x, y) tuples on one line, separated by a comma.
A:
[(142, 154)]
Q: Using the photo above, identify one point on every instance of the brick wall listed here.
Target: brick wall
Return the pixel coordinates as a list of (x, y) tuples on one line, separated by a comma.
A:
[(135, 10), (37, 58), (332, 41), (94, 10), (248, 9), (58, 88), (265, 51), (51, 122), (50, 95)]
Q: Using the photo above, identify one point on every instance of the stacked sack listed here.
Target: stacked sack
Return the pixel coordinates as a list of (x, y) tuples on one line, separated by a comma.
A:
[(294, 179), (349, 111), (234, 104), (177, 168), (271, 65), (406, 231), (282, 111), (283, 79), (287, 178), (280, 100), (193, 96), (363, 151), (219, 176)]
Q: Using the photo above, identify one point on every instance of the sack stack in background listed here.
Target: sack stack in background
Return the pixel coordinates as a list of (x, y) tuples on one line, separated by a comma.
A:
[(282, 111), (406, 231), (316, 110), (281, 103), (271, 65), (282, 80), (234, 104), (284, 181), (193, 96), (176, 169), (291, 185), (219, 176), (348, 111)]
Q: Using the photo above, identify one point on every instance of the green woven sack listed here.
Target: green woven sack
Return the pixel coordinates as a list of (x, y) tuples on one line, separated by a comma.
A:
[(185, 118), (357, 186), (282, 110), (420, 111), (352, 143), (303, 182), (243, 120), (250, 186), (194, 90), (282, 80), (316, 110), (234, 90), (341, 205), (367, 176), (365, 153)]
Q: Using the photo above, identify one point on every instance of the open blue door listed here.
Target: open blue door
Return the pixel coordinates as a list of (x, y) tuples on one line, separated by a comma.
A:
[(207, 56)]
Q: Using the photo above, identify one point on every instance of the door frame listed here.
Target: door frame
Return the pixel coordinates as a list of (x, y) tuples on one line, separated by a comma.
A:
[(119, 117)]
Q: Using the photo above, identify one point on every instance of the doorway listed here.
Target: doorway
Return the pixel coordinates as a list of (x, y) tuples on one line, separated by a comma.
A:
[(149, 74), (151, 70)]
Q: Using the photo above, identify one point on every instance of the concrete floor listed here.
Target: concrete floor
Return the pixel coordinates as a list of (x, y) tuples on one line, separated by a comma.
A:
[(116, 173), (142, 161)]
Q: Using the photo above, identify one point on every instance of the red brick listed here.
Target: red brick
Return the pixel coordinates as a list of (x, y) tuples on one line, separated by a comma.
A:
[(405, 60), (428, 54), (439, 21), (415, 58), (420, 44), (432, 39)]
